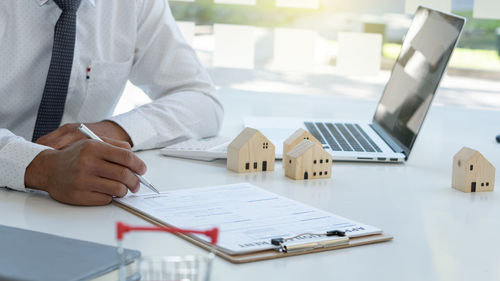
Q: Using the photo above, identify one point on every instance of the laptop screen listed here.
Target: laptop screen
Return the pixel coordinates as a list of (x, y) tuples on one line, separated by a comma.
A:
[(424, 55)]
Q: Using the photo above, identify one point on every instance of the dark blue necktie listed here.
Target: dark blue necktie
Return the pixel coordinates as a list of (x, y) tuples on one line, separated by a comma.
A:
[(51, 107)]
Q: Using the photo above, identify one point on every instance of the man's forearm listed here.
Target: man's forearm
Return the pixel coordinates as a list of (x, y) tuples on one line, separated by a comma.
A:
[(184, 114), (111, 130)]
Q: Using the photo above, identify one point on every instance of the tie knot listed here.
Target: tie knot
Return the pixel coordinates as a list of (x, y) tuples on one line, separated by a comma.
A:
[(68, 5)]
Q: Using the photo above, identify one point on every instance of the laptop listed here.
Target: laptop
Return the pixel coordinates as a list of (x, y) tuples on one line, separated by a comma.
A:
[(406, 99)]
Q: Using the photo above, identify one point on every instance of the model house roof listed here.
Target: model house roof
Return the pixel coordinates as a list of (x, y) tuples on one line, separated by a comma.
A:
[(301, 148), (244, 137), (298, 134), (467, 154)]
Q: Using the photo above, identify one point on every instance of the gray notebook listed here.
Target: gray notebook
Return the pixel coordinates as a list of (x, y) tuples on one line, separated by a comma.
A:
[(30, 255)]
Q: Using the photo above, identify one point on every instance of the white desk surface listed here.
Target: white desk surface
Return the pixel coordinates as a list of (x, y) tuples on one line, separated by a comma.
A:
[(439, 233)]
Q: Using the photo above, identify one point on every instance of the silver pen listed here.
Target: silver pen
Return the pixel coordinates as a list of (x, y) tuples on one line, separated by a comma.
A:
[(89, 134)]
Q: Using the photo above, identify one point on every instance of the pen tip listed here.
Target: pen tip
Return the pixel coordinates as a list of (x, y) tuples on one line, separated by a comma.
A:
[(154, 188)]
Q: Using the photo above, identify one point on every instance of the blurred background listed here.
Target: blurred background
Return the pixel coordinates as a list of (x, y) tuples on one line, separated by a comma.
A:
[(332, 46)]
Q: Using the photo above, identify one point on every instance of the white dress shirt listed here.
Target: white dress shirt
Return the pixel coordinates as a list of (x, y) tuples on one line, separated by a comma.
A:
[(116, 41)]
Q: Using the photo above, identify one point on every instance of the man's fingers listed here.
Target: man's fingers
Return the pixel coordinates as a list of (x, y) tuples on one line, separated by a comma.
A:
[(109, 187), (62, 137), (122, 144), (119, 174), (69, 134), (65, 129), (121, 156), (50, 138), (65, 140)]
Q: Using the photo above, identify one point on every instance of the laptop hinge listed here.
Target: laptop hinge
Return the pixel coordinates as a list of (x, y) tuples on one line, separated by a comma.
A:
[(388, 140)]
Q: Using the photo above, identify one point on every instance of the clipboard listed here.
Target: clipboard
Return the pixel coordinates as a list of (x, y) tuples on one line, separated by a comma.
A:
[(266, 254)]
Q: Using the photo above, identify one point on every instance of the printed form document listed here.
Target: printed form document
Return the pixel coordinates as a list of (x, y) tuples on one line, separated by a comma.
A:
[(247, 216)]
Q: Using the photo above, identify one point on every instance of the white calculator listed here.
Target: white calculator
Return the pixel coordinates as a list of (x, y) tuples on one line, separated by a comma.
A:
[(207, 149)]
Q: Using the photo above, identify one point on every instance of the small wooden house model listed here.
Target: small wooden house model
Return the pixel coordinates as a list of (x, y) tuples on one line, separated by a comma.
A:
[(308, 160), (250, 151), (295, 139), (472, 172)]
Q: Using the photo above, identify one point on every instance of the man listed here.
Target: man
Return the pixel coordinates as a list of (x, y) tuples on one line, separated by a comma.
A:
[(67, 62)]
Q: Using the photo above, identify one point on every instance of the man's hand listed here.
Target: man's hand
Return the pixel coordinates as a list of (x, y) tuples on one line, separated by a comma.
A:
[(69, 134), (87, 172)]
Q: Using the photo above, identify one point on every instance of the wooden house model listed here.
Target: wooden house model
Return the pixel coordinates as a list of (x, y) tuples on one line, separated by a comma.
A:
[(472, 172), (308, 160), (250, 151), (295, 139)]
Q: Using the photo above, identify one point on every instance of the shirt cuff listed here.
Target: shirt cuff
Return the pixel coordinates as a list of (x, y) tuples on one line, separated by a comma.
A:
[(139, 129), (15, 157)]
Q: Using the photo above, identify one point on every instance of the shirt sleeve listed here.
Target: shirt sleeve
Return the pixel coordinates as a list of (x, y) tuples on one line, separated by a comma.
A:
[(16, 154), (167, 69)]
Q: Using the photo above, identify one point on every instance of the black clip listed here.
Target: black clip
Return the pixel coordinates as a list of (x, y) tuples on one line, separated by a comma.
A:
[(335, 233), (277, 241), (280, 241)]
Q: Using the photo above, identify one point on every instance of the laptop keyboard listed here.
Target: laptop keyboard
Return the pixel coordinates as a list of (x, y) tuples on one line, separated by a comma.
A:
[(342, 137)]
